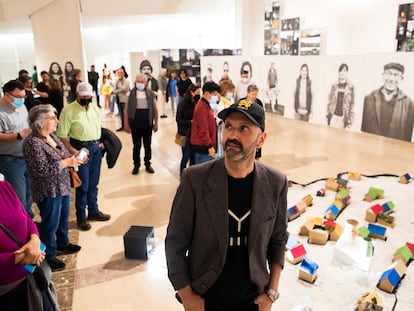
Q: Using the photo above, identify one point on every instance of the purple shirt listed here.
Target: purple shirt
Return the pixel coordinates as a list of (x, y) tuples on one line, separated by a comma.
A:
[(14, 217)]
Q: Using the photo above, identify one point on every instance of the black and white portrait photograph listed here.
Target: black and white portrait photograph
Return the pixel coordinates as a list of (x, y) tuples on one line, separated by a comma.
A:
[(341, 100), (388, 111)]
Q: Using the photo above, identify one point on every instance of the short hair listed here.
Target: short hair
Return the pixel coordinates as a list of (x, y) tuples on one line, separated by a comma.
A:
[(211, 87), (23, 72), (141, 75), (37, 115), (252, 88), (342, 66), (12, 85), (44, 72), (24, 79), (184, 72)]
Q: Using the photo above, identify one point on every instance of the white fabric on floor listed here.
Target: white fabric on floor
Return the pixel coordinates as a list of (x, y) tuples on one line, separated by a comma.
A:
[(339, 286)]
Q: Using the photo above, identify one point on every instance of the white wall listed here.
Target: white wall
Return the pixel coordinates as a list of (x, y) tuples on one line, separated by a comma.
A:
[(349, 27)]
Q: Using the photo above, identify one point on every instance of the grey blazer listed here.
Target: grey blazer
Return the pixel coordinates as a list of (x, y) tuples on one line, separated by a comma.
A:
[(197, 234)]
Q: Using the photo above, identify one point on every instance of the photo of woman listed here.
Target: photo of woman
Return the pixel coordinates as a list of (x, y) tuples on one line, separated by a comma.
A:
[(303, 94)]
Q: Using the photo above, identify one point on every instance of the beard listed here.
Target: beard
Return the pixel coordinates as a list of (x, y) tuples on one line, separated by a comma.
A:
[(234, 150)]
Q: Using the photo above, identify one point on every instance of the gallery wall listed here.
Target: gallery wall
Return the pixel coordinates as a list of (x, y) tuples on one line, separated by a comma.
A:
[(365, 73)]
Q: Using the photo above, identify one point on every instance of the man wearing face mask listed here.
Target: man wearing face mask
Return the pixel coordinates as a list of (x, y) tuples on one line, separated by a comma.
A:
[(13, 129), (142, 115), (80, 127), (203, 129)]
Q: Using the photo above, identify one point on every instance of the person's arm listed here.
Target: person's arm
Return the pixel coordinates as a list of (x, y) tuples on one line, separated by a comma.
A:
[(30, 252), (191, 301), (155, 126), (12, 137), (263, 300)]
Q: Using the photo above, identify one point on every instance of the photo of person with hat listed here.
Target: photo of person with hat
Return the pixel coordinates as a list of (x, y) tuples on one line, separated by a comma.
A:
[(146, 68), (227, 230), (388, 111)]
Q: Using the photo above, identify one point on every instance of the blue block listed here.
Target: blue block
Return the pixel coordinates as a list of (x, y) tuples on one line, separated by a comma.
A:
[(378, 230), (392, 276), (291, 242), (333, 209), (308, 266)]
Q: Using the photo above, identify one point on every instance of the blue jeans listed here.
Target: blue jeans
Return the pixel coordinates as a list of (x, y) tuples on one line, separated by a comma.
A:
[(15, 172), (54, 226), (187, 155), (121, 107), (201, 158), (89, 173)]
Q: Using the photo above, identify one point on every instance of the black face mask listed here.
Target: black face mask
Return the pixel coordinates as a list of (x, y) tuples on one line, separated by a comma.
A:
[(196, 98), (85, 101)]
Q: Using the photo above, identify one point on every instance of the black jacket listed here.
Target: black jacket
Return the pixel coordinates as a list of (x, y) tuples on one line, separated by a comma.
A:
[(112, 147)]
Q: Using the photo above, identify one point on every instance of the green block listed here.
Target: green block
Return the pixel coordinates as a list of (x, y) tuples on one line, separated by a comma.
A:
[(363, 231), (375, 192)]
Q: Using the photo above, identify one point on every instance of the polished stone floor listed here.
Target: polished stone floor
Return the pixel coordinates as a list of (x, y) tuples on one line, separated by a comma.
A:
[(100, 278)]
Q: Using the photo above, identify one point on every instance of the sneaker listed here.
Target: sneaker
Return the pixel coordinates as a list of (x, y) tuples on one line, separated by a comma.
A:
[(56, 264), (135, 170), (84, 225), (120, 129), (99, 216), (68, 249), (149, 169)]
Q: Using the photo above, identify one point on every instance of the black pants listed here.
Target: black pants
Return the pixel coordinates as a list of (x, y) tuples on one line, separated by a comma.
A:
[(249, 307), (16, 299), (139, 136)]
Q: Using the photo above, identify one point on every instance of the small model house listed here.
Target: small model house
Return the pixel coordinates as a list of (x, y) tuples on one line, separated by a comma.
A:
[(308, 270), (295, 211), (377, 232), (373, 194), (331, 184), (405, 179), (296, 254), (391, 277), (411, 247), (404, 254), (354, 175), (372, 212)]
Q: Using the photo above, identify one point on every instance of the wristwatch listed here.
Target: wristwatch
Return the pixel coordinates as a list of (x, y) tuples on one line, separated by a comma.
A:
[(19, 137), (273, 295)]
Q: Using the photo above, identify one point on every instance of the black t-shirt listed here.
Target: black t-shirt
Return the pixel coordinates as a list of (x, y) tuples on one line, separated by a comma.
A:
[(234, 286)]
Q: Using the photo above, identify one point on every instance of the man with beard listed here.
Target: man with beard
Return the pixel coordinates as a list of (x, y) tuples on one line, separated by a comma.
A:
[(80, 127), (228, 223), (146, 68)]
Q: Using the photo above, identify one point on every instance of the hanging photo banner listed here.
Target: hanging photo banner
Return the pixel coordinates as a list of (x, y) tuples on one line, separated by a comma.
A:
[(405, 28)]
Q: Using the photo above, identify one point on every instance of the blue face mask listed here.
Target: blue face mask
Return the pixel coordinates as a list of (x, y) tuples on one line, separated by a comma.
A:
[(18, 102), (140, 86), (213, 102), (229, 95)]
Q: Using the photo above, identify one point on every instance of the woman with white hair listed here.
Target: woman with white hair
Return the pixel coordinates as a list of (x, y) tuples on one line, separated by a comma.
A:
[(48, 163)]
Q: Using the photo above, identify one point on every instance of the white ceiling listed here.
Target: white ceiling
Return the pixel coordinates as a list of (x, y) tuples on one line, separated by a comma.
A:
[(15, 14)]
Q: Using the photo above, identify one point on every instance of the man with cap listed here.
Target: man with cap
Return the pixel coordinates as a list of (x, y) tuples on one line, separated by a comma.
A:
[(80, 127), (146, 69), (228, 223), (388, 111)]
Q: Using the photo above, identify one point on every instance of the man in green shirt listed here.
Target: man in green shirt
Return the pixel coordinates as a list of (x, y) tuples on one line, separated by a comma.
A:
[(80, 128)]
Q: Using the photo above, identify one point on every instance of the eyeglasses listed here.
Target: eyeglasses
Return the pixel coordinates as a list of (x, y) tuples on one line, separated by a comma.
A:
[(14, 96), (52, 118)]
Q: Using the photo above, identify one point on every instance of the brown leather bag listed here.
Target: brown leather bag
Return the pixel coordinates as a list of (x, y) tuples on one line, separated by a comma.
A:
[(75, 181)]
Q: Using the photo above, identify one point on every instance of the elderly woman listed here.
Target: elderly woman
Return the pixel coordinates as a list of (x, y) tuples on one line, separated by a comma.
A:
[(13, 287), (48, 163)]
